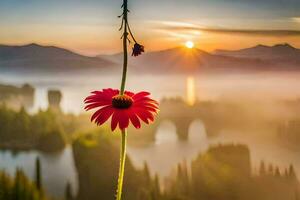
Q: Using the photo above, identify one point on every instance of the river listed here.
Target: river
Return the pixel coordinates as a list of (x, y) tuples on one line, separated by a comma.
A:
[(167, 151)]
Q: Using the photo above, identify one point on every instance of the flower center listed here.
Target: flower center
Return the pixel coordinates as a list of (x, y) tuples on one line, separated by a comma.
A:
[(122, 101)]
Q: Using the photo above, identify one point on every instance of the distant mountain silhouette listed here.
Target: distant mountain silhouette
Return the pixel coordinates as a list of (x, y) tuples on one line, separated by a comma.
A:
[(172, 60), (47, 58), (182, 60), (37, 58), (279, 51)]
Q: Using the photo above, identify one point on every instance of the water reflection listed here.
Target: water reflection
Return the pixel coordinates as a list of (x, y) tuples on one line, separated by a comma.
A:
[(168, 151), (57, 169), (191, 90), (75, 87)]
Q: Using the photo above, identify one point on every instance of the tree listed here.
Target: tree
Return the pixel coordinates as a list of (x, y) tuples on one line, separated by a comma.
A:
[(277, 172), (292, 174), (68, 192), (38, 181), (262, 169), (271, 169)]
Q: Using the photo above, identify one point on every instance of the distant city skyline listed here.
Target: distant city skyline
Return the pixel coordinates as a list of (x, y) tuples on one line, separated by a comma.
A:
[(91, 27)]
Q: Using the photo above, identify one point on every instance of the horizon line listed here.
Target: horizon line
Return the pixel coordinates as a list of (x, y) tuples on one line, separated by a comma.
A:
[(160, 50)]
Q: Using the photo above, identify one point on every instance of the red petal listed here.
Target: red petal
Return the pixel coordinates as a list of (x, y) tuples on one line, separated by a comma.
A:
[(104, 116), (115, 120), (98, 97), (95, 105), (134, 120), (150, 109), (146, 99), (104, 95), (111, 92), (140, 95), (145, 105), (131, 94), (100, 111), (123, 119), (144, 115)]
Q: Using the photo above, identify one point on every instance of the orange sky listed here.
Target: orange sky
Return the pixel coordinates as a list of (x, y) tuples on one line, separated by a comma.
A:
[(91, 27), (98, 40)]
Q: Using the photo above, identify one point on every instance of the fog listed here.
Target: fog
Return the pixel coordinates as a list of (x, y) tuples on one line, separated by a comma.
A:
[(258, 110)]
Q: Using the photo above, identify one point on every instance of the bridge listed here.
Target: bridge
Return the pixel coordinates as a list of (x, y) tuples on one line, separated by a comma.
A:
[(182, 115)]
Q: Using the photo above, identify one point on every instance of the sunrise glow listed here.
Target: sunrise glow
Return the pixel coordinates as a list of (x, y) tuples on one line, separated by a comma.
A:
[(189, 44)]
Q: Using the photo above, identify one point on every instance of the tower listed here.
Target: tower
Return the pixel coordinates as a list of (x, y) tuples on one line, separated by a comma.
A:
[(54, 99)]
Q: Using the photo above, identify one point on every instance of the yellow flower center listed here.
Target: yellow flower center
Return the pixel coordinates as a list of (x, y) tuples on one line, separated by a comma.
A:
[(122, 101)]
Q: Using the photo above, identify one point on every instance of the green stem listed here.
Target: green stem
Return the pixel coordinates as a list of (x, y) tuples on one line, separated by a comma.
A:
[(122, 164), (131, 33), (122, 90), (125, 38)]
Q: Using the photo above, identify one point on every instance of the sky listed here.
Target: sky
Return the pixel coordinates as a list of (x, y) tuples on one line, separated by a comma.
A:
[(91, 27)]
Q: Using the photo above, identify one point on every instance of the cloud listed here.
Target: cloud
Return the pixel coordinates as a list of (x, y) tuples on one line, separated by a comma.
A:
[(296, 19), (189, 27)]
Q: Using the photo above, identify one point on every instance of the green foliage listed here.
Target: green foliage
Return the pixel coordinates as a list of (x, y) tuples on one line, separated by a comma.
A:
[(224, 173), (16, 97), (68, 192), (18, 188), (51, 142), (38, 179), (96, 157), (48, 130), (8, 91), (19, 130)]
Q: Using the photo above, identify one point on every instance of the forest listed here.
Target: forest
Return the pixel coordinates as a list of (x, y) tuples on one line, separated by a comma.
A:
[(48, 130), (223, 172)]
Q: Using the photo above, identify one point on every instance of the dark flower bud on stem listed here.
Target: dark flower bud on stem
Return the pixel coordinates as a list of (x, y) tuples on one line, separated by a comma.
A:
[(137, 49)]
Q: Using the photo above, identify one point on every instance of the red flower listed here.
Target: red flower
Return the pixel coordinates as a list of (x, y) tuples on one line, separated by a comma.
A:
[(124, 109)]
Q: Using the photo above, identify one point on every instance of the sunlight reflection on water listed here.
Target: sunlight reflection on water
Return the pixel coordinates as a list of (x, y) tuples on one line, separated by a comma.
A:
[(75, 87)]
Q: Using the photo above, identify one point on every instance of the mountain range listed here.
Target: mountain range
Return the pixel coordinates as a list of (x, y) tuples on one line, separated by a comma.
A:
[(277, 52), (34, 57)]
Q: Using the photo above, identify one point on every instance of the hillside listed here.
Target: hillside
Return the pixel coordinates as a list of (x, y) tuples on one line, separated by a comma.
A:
[(34, 57), (182, 60), (279, 51)]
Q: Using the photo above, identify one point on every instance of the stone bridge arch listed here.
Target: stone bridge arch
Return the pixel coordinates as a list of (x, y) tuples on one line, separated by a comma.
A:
[(166, 128), (182, 115), (197, 130)]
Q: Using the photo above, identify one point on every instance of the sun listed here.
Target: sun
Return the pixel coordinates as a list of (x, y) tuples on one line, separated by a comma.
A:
[(189, 44)]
